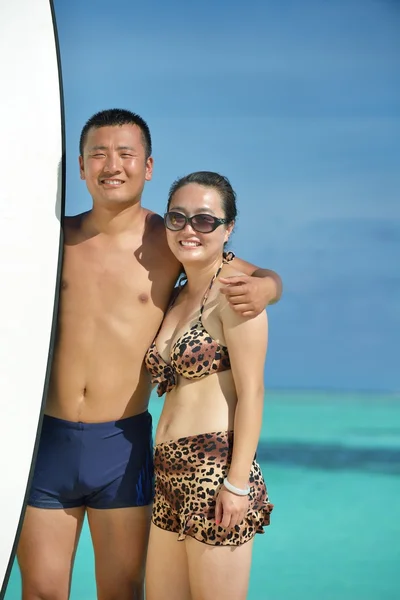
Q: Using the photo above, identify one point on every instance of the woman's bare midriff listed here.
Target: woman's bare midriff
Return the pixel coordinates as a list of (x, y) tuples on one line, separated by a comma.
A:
[(198, 406)]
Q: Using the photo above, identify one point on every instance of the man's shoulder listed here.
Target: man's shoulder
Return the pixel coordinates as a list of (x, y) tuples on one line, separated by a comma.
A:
[(74, 221), (154, 230), (154, 221), (155, 239), (72, 228)]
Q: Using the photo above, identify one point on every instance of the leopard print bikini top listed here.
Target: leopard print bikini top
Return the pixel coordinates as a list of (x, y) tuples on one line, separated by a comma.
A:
[(194, 354)]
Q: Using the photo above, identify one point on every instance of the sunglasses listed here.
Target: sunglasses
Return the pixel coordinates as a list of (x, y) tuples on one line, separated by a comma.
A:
[(175, 221)]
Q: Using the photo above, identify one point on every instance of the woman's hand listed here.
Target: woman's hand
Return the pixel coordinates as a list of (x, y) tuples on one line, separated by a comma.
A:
[(230, 509)]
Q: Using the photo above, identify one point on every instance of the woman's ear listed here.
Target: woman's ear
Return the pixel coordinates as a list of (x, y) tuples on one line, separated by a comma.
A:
[(228, 231)]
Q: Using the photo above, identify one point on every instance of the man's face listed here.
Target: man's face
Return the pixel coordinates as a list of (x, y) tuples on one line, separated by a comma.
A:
[(114, 165)]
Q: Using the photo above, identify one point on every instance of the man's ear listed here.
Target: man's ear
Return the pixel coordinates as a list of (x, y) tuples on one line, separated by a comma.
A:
[(149, 168), (81, 168)]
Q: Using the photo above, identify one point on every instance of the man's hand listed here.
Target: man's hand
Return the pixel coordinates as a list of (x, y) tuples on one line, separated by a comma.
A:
[(248, 295)]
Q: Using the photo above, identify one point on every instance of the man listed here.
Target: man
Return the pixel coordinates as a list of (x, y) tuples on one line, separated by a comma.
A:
[(95, 453)]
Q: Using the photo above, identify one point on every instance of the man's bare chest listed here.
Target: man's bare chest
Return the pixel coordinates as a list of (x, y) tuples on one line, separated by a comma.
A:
[(112, 281)]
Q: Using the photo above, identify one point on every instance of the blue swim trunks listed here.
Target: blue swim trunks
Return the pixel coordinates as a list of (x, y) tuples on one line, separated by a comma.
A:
[(98, 465)]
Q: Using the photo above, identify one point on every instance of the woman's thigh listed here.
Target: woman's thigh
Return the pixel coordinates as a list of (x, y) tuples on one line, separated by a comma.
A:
[(218, 571)]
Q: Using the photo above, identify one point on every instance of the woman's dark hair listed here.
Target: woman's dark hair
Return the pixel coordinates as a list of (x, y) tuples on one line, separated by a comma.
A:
[(211, 180)]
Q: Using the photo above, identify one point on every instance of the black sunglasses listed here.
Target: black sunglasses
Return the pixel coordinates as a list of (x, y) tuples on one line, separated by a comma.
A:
[(176, 221)]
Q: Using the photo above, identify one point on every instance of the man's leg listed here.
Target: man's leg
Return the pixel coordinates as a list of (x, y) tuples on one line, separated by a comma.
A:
[(119, 467), (46, 551), (120, 537), (55, 513)]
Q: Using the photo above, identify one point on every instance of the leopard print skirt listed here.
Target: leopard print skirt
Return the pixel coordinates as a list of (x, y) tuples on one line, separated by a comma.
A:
[(189, 473)]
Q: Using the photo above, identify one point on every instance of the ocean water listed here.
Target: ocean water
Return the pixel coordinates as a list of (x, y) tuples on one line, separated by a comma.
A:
[(332, 465)]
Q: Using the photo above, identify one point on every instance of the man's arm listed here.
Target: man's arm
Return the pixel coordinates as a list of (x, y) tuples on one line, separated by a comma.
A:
[(251, 293)]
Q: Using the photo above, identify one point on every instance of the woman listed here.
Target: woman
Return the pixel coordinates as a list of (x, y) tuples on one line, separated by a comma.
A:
[(210, 494)]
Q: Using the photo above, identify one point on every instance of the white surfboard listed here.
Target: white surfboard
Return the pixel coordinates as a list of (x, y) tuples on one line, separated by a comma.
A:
[(31, 204)]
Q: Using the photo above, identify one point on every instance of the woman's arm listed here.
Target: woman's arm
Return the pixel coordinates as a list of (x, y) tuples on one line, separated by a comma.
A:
[(246, 340)]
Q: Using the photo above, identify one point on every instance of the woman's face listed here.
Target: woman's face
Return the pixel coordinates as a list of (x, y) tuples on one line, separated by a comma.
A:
[(187, 244)]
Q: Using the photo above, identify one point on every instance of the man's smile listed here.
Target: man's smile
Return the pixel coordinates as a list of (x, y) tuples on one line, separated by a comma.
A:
[(112, 182)]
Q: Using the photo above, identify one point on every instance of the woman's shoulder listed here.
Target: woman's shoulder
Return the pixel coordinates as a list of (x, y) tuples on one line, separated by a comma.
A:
[(227, 270), (226, 312), (217, 301), (229, 266)]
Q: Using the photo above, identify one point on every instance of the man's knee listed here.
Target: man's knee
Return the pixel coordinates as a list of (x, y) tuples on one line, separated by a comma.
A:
[(46, 583), (43, 590)]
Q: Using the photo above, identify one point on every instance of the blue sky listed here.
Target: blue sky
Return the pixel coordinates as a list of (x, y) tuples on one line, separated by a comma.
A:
[(298, 103)]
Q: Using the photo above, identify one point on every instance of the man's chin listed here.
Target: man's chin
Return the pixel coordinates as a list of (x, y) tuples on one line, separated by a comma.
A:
[(115, 200)]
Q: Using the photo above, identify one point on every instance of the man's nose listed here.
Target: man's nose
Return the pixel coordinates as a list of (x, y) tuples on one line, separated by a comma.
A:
[(112, 163)]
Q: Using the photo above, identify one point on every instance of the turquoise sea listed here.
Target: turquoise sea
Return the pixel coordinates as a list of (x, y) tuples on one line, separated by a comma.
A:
[(332, 466)]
